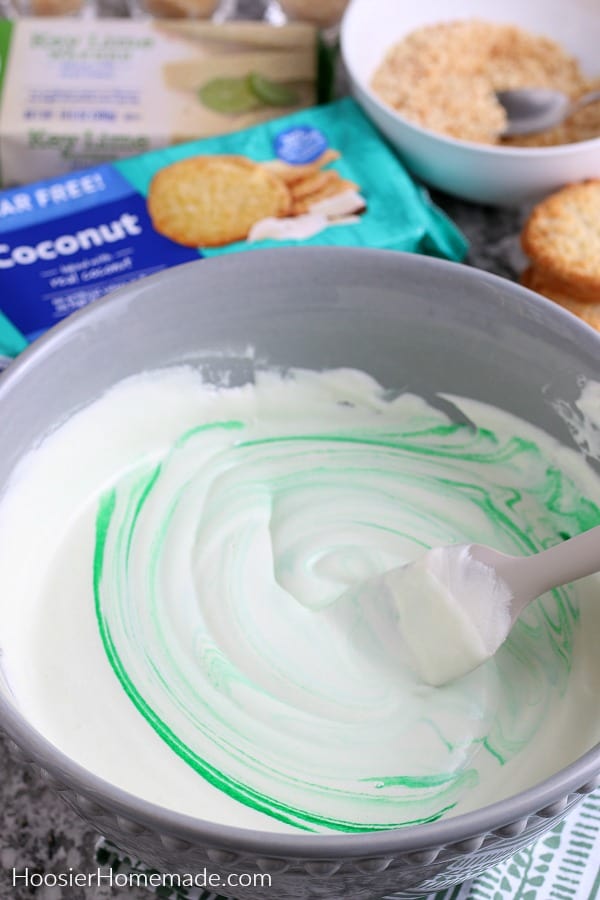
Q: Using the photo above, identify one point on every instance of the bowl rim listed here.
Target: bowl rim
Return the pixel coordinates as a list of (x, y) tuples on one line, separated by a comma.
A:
[(578, 777), (360, 83)]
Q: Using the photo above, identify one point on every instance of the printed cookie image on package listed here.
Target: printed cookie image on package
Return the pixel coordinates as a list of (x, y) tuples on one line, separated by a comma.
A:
[(208, 201), (321, 176), (211, 201)]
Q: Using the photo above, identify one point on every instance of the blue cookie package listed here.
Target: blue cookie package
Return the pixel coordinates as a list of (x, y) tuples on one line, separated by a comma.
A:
[(324, 176)]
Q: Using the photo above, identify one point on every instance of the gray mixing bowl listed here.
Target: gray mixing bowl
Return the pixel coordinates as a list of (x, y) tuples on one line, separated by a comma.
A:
[(413, 323)]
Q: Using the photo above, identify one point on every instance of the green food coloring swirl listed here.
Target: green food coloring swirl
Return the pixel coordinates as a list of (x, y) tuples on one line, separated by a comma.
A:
[(217, 563)]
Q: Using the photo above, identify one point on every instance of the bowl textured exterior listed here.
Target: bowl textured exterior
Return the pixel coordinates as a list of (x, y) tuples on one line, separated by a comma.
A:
[(411, 322), (484, 174)]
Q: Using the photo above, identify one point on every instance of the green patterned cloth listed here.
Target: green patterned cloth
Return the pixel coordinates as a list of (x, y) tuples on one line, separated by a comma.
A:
[(564, 864)]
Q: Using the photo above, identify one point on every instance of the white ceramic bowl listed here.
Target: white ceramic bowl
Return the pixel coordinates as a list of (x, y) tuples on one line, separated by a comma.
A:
[(484, 174)]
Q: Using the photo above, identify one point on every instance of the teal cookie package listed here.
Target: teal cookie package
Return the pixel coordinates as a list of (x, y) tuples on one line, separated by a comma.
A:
[(12, 342), (324, 177)]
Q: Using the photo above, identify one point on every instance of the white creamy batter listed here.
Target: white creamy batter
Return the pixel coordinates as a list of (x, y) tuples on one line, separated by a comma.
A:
[(170, 561)]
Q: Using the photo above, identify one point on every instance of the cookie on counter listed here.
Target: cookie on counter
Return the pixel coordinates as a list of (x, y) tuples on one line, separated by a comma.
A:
[(535, 280), (562, 240)]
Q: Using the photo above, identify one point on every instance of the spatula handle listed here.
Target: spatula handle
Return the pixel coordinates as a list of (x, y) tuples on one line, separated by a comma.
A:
[(530, 576), (573, 559)]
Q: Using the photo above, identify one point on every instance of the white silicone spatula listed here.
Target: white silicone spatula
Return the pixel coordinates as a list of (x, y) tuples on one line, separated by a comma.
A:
[(530, 576), (456, 605)]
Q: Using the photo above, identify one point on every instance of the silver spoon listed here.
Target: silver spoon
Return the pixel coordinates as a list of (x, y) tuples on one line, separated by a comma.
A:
[(452, 609), (530, 110)]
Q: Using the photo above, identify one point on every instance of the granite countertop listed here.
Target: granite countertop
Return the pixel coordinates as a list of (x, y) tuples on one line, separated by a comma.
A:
[(37, 829)]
